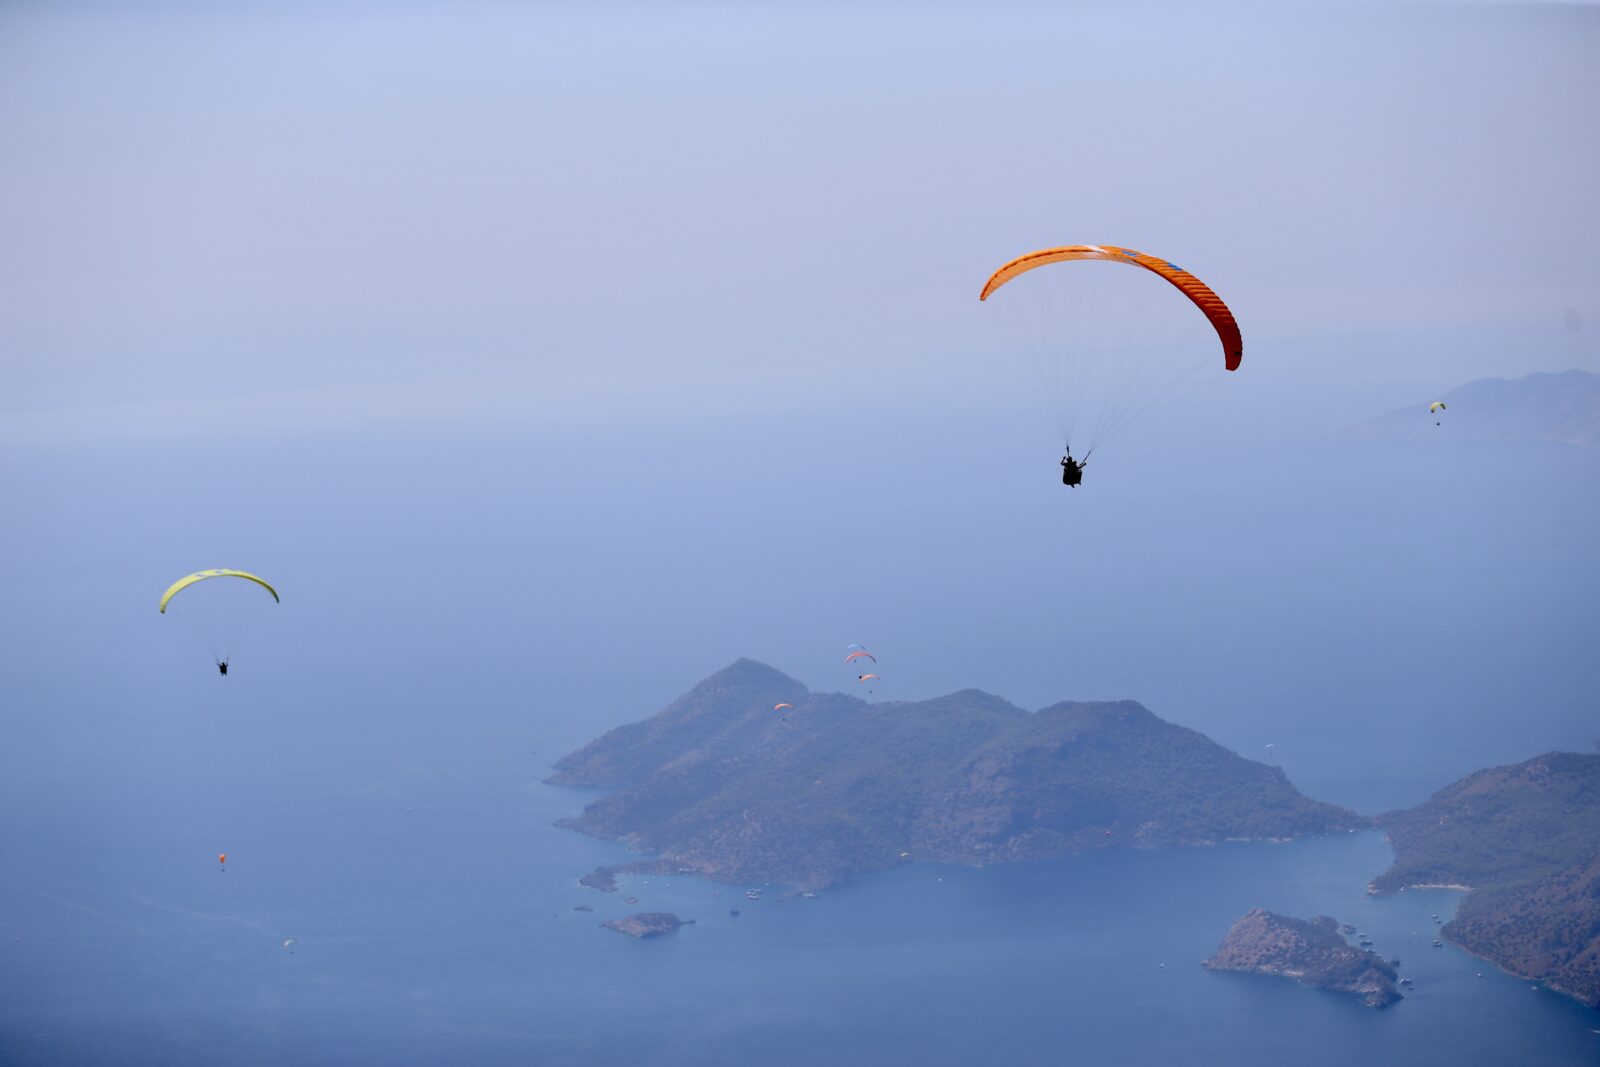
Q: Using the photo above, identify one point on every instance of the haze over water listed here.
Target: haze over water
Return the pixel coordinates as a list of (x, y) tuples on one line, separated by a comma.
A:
[(336, 298), (372, 775)]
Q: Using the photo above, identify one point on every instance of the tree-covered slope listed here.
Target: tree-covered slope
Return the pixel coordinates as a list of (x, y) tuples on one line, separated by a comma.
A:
[(1526, 839), (719, 783)]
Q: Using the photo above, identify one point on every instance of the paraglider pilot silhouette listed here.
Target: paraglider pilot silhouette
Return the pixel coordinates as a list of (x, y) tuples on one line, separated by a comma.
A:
[(1072, 469)]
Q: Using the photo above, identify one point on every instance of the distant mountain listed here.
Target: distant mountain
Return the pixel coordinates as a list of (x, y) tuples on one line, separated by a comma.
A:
[(632, 753), (1526, 839), (720, 784), (1312, 952), (1561, 407)]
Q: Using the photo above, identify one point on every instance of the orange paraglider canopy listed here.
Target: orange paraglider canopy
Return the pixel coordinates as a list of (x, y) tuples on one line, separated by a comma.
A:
[(222, 857), (1197, 291)]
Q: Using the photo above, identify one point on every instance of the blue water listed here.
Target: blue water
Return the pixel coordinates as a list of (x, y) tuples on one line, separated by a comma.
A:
[(455, 618), (432, 906)]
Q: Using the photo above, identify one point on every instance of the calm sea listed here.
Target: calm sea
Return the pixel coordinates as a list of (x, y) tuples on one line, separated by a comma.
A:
[(432, 908)]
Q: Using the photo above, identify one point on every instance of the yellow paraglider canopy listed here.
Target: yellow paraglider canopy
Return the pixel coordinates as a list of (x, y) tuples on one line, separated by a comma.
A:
[(199, 576)]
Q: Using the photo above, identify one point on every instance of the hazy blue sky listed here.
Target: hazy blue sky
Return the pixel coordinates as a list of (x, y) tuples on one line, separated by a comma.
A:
[(550, 358), (266, 220)]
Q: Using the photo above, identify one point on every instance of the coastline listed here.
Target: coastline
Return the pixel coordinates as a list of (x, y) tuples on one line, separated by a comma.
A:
[(1444, 935)]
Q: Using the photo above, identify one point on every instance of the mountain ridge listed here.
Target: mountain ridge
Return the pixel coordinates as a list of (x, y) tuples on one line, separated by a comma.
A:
[(719, 784), (1561, 407)]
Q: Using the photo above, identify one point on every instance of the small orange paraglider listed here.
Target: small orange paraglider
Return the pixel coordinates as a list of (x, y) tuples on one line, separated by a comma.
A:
[(222, 861)]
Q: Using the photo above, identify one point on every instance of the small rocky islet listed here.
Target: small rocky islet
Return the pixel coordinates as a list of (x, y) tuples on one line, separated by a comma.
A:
[(647, 924), (1311, 951)]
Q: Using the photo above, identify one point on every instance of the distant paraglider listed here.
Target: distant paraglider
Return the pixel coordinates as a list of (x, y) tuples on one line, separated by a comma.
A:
[(854, 652), (1436, 407), (289, 943), (222, 862), (217, 612), (780, 707)]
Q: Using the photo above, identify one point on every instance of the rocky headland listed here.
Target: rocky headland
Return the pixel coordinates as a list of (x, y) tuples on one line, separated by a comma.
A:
[(602, 878), (1525, 840)]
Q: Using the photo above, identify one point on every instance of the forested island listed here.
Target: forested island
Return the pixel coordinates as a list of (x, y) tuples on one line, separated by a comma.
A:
[(1312, 952), (720, 785), (1525, 839)]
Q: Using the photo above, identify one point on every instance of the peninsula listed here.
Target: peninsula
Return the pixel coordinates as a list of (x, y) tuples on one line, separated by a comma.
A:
[(1525, 840)]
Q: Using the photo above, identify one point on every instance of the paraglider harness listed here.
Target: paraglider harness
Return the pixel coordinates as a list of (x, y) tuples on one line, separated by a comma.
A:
[(1072, 469), (222, 665)]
